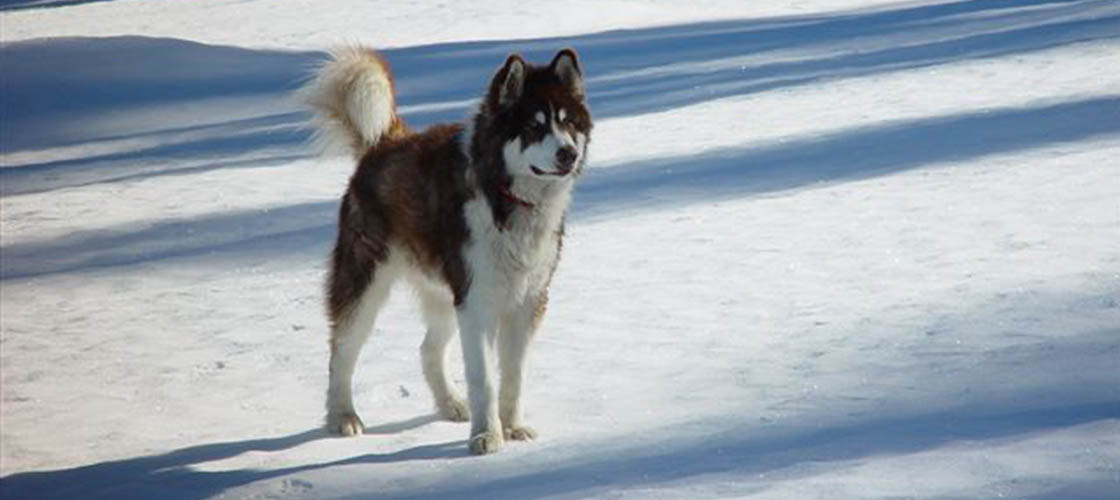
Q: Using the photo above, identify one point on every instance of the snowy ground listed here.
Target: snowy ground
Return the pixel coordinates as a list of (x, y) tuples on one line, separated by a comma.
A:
[(826, 249)]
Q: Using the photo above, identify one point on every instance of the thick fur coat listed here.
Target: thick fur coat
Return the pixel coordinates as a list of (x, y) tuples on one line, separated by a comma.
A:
[(471, 215)]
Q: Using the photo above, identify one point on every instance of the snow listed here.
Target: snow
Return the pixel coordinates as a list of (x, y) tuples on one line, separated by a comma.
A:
[(826, 249), (305, 25)]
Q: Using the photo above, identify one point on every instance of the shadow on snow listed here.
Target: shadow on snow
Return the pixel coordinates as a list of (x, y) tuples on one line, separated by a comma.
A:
[(161, 105), (744, 449), (42, 4), (169, 475), (721, 174), (848, 155)]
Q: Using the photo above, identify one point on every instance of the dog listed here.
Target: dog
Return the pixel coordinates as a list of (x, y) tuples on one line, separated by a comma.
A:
[(471, 215)]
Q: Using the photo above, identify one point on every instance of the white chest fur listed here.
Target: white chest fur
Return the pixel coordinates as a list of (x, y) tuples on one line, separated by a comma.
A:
[(510, 263)]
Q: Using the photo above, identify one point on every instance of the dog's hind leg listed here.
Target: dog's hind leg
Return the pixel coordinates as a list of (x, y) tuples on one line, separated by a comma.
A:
[(361, 276), (439, 316), (347, 338)]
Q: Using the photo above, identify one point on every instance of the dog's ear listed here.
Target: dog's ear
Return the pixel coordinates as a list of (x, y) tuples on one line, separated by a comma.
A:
[(566, 67), (509, 82)]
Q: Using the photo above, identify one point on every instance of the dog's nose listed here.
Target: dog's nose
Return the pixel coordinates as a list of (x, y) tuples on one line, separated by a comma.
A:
[(566, 158)]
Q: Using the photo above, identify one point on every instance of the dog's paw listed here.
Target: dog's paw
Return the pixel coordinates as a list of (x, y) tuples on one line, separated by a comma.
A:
[(454, 409), (486, 443), (520, 433), (345, 424)]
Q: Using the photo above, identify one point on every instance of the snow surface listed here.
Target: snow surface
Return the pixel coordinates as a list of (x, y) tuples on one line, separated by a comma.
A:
[(826, 249)]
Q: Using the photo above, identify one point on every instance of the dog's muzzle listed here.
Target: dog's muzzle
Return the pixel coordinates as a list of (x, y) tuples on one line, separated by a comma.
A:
[(565, 161)]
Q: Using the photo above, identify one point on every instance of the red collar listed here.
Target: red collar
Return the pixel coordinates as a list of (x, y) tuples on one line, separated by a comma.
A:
[(503, 189)]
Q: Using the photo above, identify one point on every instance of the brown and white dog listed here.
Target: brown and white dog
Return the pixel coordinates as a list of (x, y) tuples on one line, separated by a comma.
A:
[(471, 215)]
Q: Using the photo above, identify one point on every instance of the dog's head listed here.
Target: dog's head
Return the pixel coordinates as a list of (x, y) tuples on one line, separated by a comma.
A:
[(535, 120)]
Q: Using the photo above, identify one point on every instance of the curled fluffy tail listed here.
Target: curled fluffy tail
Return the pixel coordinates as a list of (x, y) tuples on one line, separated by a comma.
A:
[(351, 98)]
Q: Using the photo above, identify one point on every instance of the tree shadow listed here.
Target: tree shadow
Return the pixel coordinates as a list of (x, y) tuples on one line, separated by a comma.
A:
[(998, 395), (859, 153), (654, 69), (844, 156), (757, 455), (171, 475), (1081, 389), (42, 4), (1099, 489), (728, 173), (148, 90)]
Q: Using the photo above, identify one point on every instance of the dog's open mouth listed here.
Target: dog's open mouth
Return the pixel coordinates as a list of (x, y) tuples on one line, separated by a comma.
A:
[(542, 173)]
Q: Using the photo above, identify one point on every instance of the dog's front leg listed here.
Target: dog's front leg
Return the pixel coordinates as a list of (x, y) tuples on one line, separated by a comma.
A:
[(519, 328), (477, 330)]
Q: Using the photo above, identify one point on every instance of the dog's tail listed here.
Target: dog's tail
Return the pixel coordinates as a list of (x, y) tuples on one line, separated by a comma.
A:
[(351, 98)]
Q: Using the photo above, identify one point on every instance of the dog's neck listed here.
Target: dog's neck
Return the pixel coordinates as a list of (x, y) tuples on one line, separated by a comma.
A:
[(528, 202), (504, 190)]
